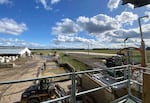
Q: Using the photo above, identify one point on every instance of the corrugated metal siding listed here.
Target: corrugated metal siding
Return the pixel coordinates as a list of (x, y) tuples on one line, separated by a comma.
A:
[(11, 50)]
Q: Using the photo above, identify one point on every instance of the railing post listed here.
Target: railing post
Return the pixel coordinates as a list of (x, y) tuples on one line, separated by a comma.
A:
[(129, 77), (125, 72), (73, 88)]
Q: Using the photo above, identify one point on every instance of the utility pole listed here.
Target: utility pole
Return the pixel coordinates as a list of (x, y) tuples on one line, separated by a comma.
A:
[(142, 42), (88, 48), (125, 42)]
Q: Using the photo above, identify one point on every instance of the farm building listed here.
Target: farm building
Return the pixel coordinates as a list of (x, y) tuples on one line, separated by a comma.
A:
[(11, 53)]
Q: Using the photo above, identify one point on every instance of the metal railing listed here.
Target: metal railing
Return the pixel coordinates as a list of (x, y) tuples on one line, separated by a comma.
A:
[(73, 75)]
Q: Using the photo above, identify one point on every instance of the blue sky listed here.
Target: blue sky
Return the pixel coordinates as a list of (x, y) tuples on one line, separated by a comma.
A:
[(71, 23)]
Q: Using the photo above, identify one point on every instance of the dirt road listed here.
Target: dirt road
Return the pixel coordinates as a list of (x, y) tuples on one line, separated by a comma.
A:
[(91, 53), (24, 69)]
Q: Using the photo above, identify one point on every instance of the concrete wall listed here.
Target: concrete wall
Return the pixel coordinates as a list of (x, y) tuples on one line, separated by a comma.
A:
[(68, 67), (6, 65), (101, 96)]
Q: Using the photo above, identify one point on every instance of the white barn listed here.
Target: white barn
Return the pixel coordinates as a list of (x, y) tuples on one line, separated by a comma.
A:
[(8, 53)]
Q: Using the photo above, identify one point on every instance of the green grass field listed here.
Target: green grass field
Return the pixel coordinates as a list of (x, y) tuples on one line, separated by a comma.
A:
[(136, 54), (80, 66)]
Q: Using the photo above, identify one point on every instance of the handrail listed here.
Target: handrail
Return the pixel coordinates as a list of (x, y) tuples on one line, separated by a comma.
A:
[(32, 79), (73, 78), (58, 75)]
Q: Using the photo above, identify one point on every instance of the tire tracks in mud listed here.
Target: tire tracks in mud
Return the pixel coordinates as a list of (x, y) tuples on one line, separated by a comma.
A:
[(16, 74)]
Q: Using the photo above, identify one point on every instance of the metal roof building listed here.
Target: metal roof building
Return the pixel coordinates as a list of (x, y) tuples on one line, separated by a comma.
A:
[(14, 51)]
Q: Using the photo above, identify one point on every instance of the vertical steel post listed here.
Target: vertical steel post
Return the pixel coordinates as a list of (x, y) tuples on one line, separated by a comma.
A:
[(129, 77), (142, 42), (88, 49), (125, 73), (115, 73), (73, 87)]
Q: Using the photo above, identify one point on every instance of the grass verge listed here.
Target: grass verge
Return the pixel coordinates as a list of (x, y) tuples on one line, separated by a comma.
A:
[(79, 66)]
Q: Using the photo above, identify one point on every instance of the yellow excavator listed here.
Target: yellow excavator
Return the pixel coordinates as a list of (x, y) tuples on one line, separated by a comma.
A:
[(42, 91)]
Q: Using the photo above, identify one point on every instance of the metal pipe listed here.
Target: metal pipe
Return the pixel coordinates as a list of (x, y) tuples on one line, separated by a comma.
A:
[(99, 88), (59, 75), (139, 20), (142, 42), (129, 77), (57, 99), (96, 70), (137, 100), (32, 79), (88, 49), (143, 68), (119, 99), (136, 82)]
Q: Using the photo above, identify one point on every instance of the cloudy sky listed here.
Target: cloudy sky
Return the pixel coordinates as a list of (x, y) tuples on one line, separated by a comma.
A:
[(71, 23)]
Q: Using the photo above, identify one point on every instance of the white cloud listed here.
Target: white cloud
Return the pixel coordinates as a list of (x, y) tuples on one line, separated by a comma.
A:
[(147, 13), (75, 42), (5, 2), (113, 4), (97, 24), (37, 7), (36, 45), (106, 30), (127, 17), (93, 26), (123, 33), (47, 4), (66, 27), (18, 42), (54, 1), (130, 5), (118, 36), (100, 26), (146, 31), (148, 6), (9, 26), (11, 42), (62, 38)]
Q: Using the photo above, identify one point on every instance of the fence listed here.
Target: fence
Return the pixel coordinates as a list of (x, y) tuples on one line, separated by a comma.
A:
[(128, 71)]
